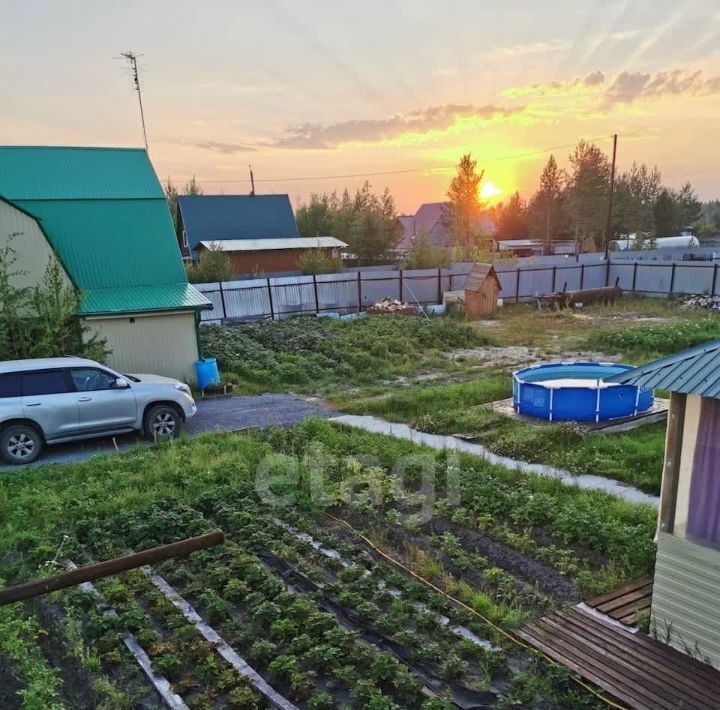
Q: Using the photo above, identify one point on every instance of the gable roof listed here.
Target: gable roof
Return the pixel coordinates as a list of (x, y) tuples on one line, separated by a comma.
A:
[(433, 220), (104, 213), (692, 371), (207, 218), (478, 274)]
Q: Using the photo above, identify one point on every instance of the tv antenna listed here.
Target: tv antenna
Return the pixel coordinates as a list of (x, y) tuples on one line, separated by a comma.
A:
[(132, 58)]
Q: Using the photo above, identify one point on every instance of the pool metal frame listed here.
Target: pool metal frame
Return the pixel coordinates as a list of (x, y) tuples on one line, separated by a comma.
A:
[(519, 383)]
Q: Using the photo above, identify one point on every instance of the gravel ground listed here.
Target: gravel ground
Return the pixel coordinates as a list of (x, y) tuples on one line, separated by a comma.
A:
[(217, 414)]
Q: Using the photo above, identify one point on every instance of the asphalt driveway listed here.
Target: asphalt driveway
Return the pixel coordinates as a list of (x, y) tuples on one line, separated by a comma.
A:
[(216, 414)]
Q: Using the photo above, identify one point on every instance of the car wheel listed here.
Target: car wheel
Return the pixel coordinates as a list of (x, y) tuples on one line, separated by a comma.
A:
[(162, 422), (20, 443)]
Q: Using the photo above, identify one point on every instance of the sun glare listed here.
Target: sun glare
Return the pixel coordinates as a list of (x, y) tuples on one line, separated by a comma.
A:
[(489, 190)]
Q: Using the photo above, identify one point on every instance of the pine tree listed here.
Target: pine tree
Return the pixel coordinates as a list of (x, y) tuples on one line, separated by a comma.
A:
[(465, 204)]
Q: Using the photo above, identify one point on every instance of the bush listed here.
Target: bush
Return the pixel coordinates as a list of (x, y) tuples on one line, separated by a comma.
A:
[(424, 255), (316, 261), (213, 265), (41, 320), (655, 340)]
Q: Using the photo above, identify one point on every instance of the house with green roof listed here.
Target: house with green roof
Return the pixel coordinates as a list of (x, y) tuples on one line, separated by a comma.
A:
[(102, 213)]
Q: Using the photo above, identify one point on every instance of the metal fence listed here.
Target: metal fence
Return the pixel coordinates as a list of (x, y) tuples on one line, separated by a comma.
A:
[(353, 292)]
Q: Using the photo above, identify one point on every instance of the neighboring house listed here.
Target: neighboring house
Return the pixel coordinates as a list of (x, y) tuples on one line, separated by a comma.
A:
[(103, 214), (433, 220), (214, 218), (264, 256), (685, 608)]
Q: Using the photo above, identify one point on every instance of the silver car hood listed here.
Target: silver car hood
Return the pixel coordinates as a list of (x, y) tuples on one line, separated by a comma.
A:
[(156, 379)]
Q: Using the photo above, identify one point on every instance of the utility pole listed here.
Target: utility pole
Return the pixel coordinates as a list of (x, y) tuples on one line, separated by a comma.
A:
[(608, 223), (252, 181), (132, 60)]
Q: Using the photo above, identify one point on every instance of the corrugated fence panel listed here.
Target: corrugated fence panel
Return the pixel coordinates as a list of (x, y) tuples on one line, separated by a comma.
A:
[(421, 285), (594, 275), (250, 299), (379, 285), (508, 284), (247, 302), (653, 278), (337, 292), (534, 282), (693, 278), (684, 603), (624, 272)]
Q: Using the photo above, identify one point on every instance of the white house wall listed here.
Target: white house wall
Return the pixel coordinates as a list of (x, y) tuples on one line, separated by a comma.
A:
[(159, 344), (32, 251)]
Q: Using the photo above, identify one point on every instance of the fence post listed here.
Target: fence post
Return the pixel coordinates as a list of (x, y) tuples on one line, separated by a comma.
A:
[(222, 299), (272, 307), (582, 275), (401, 285), (317, 302), (635, 265), (554, 275), (714, 283), (517, 286), (359, 285), (450, 284), (607, 272), (672, 279), (439, 299)]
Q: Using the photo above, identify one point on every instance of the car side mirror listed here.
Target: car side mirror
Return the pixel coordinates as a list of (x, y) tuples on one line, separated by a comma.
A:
[(121, 384)]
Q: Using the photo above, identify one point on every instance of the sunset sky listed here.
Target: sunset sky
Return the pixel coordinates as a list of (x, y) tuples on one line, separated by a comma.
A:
[(318, 88)]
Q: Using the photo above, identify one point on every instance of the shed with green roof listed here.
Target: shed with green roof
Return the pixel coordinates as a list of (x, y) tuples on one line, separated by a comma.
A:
[(103, 214)]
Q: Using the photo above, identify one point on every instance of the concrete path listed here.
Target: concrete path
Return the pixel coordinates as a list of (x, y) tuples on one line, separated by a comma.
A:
[(217, 414), (437, 441)]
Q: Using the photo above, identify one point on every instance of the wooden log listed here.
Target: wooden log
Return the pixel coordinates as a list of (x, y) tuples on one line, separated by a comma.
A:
[(28, 590)]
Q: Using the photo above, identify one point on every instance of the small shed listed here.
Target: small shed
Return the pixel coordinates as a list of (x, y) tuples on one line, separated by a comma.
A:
[(481, 292), (684, 608)]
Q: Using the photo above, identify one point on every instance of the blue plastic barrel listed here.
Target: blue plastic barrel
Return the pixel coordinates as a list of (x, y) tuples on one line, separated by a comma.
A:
[(207, 372)]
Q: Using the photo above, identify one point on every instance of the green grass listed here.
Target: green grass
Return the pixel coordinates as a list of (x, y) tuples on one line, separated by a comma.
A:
[(412, 402), (634, 457), (647, 342), (39, 507), (314, 355)]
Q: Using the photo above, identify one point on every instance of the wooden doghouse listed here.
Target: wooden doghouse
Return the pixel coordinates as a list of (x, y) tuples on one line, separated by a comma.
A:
[(481, 292)]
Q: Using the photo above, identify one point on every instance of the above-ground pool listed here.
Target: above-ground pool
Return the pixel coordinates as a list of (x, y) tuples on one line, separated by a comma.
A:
[(576, 391)]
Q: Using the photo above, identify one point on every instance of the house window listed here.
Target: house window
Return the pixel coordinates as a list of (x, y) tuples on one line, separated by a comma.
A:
[(704, 506)]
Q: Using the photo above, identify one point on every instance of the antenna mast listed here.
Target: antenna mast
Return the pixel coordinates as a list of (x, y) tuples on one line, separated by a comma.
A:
[(252, 181), (132, 60)]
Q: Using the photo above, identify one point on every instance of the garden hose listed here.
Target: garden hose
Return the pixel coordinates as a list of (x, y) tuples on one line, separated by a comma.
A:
[(506, 634)]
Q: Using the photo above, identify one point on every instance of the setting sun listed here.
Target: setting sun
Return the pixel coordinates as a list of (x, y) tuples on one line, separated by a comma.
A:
[(489, 190)]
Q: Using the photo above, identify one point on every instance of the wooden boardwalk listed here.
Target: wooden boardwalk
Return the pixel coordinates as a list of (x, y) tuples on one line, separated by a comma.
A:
[(630, 667), (625, 603)]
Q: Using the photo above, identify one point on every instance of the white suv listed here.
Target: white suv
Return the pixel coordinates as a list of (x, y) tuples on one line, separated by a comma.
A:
[(53, 400)]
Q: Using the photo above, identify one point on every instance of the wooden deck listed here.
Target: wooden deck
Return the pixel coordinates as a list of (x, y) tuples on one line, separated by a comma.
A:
[(625, 603), (630, 667)]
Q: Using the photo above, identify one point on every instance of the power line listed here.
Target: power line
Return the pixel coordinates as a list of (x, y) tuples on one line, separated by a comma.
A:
[(515, 156)]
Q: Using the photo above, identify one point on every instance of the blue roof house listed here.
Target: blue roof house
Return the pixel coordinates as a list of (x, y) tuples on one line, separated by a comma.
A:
[(216, 218)]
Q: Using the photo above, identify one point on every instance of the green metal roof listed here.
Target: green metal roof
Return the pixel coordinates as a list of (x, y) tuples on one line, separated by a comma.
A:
[(105, 215), (142, 299), (692, 371), (57, 173)]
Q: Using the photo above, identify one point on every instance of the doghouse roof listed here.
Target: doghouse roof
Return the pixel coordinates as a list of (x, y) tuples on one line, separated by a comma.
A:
[(479, 274)]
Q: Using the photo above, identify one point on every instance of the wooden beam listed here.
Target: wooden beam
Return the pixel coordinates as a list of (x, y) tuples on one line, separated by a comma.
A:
[(673, 456), (36, 588)]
